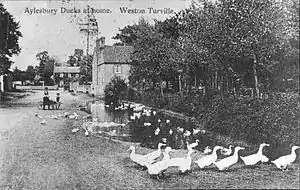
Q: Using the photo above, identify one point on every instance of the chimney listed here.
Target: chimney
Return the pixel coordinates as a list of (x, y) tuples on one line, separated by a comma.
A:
[(100, 42)]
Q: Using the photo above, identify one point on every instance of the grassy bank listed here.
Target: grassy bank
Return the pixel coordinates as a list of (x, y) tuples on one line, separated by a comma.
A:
[(106, 164)]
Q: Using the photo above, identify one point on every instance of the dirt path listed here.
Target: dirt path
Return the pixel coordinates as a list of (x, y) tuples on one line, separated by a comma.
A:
[(33, 156)]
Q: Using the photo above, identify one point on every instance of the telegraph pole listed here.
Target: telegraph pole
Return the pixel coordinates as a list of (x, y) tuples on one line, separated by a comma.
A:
[(89, 28)]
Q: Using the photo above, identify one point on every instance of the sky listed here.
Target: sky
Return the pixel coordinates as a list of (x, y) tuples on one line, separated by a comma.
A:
[(59, 33)]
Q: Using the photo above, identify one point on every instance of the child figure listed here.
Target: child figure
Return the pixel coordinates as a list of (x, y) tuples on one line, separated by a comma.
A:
[(57, 100)]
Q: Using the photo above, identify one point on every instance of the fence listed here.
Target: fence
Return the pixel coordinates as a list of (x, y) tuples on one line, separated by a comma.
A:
[(75, 87), (55, 87)]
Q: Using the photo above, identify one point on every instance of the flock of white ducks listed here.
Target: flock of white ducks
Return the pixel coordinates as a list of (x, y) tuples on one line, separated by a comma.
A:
[(157, 167)]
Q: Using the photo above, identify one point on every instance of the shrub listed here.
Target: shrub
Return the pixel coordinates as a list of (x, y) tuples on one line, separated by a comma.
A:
[(115, 90), (273, 121)]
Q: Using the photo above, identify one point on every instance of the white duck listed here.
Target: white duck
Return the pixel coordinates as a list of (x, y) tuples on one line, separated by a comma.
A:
[(157, 168), (72, 116), (166, 153), (254, 158), (137, 158), (209, 159), (53, 117), (193, 145), (180, 129), (184, 164), (37, 115), (75, 130), (157, 130), (196, 131), (156, 154), (142, 160), (229, 161), (227, 151), (207, 150), (283, 161), (264, 159), (43, 122), (187, 133), (170, 131), (66, 114)]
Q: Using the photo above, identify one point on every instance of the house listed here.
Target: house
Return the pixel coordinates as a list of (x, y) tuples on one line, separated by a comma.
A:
[(109, 61), (6, 79), (64, 74)]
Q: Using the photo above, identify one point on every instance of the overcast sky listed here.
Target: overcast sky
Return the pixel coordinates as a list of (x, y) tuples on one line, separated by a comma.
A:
[(59, 35)]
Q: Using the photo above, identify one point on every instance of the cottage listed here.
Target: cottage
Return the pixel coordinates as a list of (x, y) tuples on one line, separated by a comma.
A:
[(6, 79), (109, 61), (64, 74)]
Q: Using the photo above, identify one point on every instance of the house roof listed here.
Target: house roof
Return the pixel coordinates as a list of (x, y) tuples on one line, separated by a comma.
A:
[(117, 54), (66, 69)]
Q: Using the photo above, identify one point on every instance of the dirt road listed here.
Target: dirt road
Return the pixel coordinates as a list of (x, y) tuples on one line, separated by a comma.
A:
[(35, 156)]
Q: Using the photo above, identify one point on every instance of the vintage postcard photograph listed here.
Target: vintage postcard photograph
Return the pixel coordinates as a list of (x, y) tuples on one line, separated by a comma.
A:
[(149, 94)]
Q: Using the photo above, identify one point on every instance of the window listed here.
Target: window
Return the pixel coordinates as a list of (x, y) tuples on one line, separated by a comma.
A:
[(117, 68)]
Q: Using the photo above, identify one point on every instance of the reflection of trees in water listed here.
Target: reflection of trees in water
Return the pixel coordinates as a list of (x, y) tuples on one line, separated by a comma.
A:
[(119, 117), (145, 134)]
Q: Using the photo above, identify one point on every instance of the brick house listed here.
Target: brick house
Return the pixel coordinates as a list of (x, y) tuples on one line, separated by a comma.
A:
[(109, 61), (64, 74)]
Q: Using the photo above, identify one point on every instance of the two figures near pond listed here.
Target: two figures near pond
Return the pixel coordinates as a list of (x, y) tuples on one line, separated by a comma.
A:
[(47, 101)]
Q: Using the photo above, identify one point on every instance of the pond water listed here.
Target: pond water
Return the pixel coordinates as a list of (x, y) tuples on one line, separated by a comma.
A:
[(149, 128)]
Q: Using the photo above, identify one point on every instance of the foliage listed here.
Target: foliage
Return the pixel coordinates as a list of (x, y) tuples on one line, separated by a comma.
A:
[(86, 69), (85, 64), (46, 67), (115, 90), (273, 120), (9, 36), (223, 45)]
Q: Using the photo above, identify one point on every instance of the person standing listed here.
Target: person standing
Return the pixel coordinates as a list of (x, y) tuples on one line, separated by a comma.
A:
[(46, 98)]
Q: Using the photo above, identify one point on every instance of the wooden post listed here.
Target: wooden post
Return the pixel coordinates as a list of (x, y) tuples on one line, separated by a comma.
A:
[(255, 76)]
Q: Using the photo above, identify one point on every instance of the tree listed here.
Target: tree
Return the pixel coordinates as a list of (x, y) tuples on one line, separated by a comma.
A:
[(115, 90), (16, 74), (46, 67), (86, 69), (31, 72), (9, 37)]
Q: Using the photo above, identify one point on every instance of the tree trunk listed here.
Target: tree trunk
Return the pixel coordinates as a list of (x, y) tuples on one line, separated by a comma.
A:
[(180, 89), (222, 83), (216, 80), (161, 89), (255, 76), (234, 92), (227, 83)]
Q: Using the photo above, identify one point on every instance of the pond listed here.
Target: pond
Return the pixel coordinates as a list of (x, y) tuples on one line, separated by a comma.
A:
[(148, 126)]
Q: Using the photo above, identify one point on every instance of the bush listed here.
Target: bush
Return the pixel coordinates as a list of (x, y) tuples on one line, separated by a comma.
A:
[(115, 90), (273, 121)]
